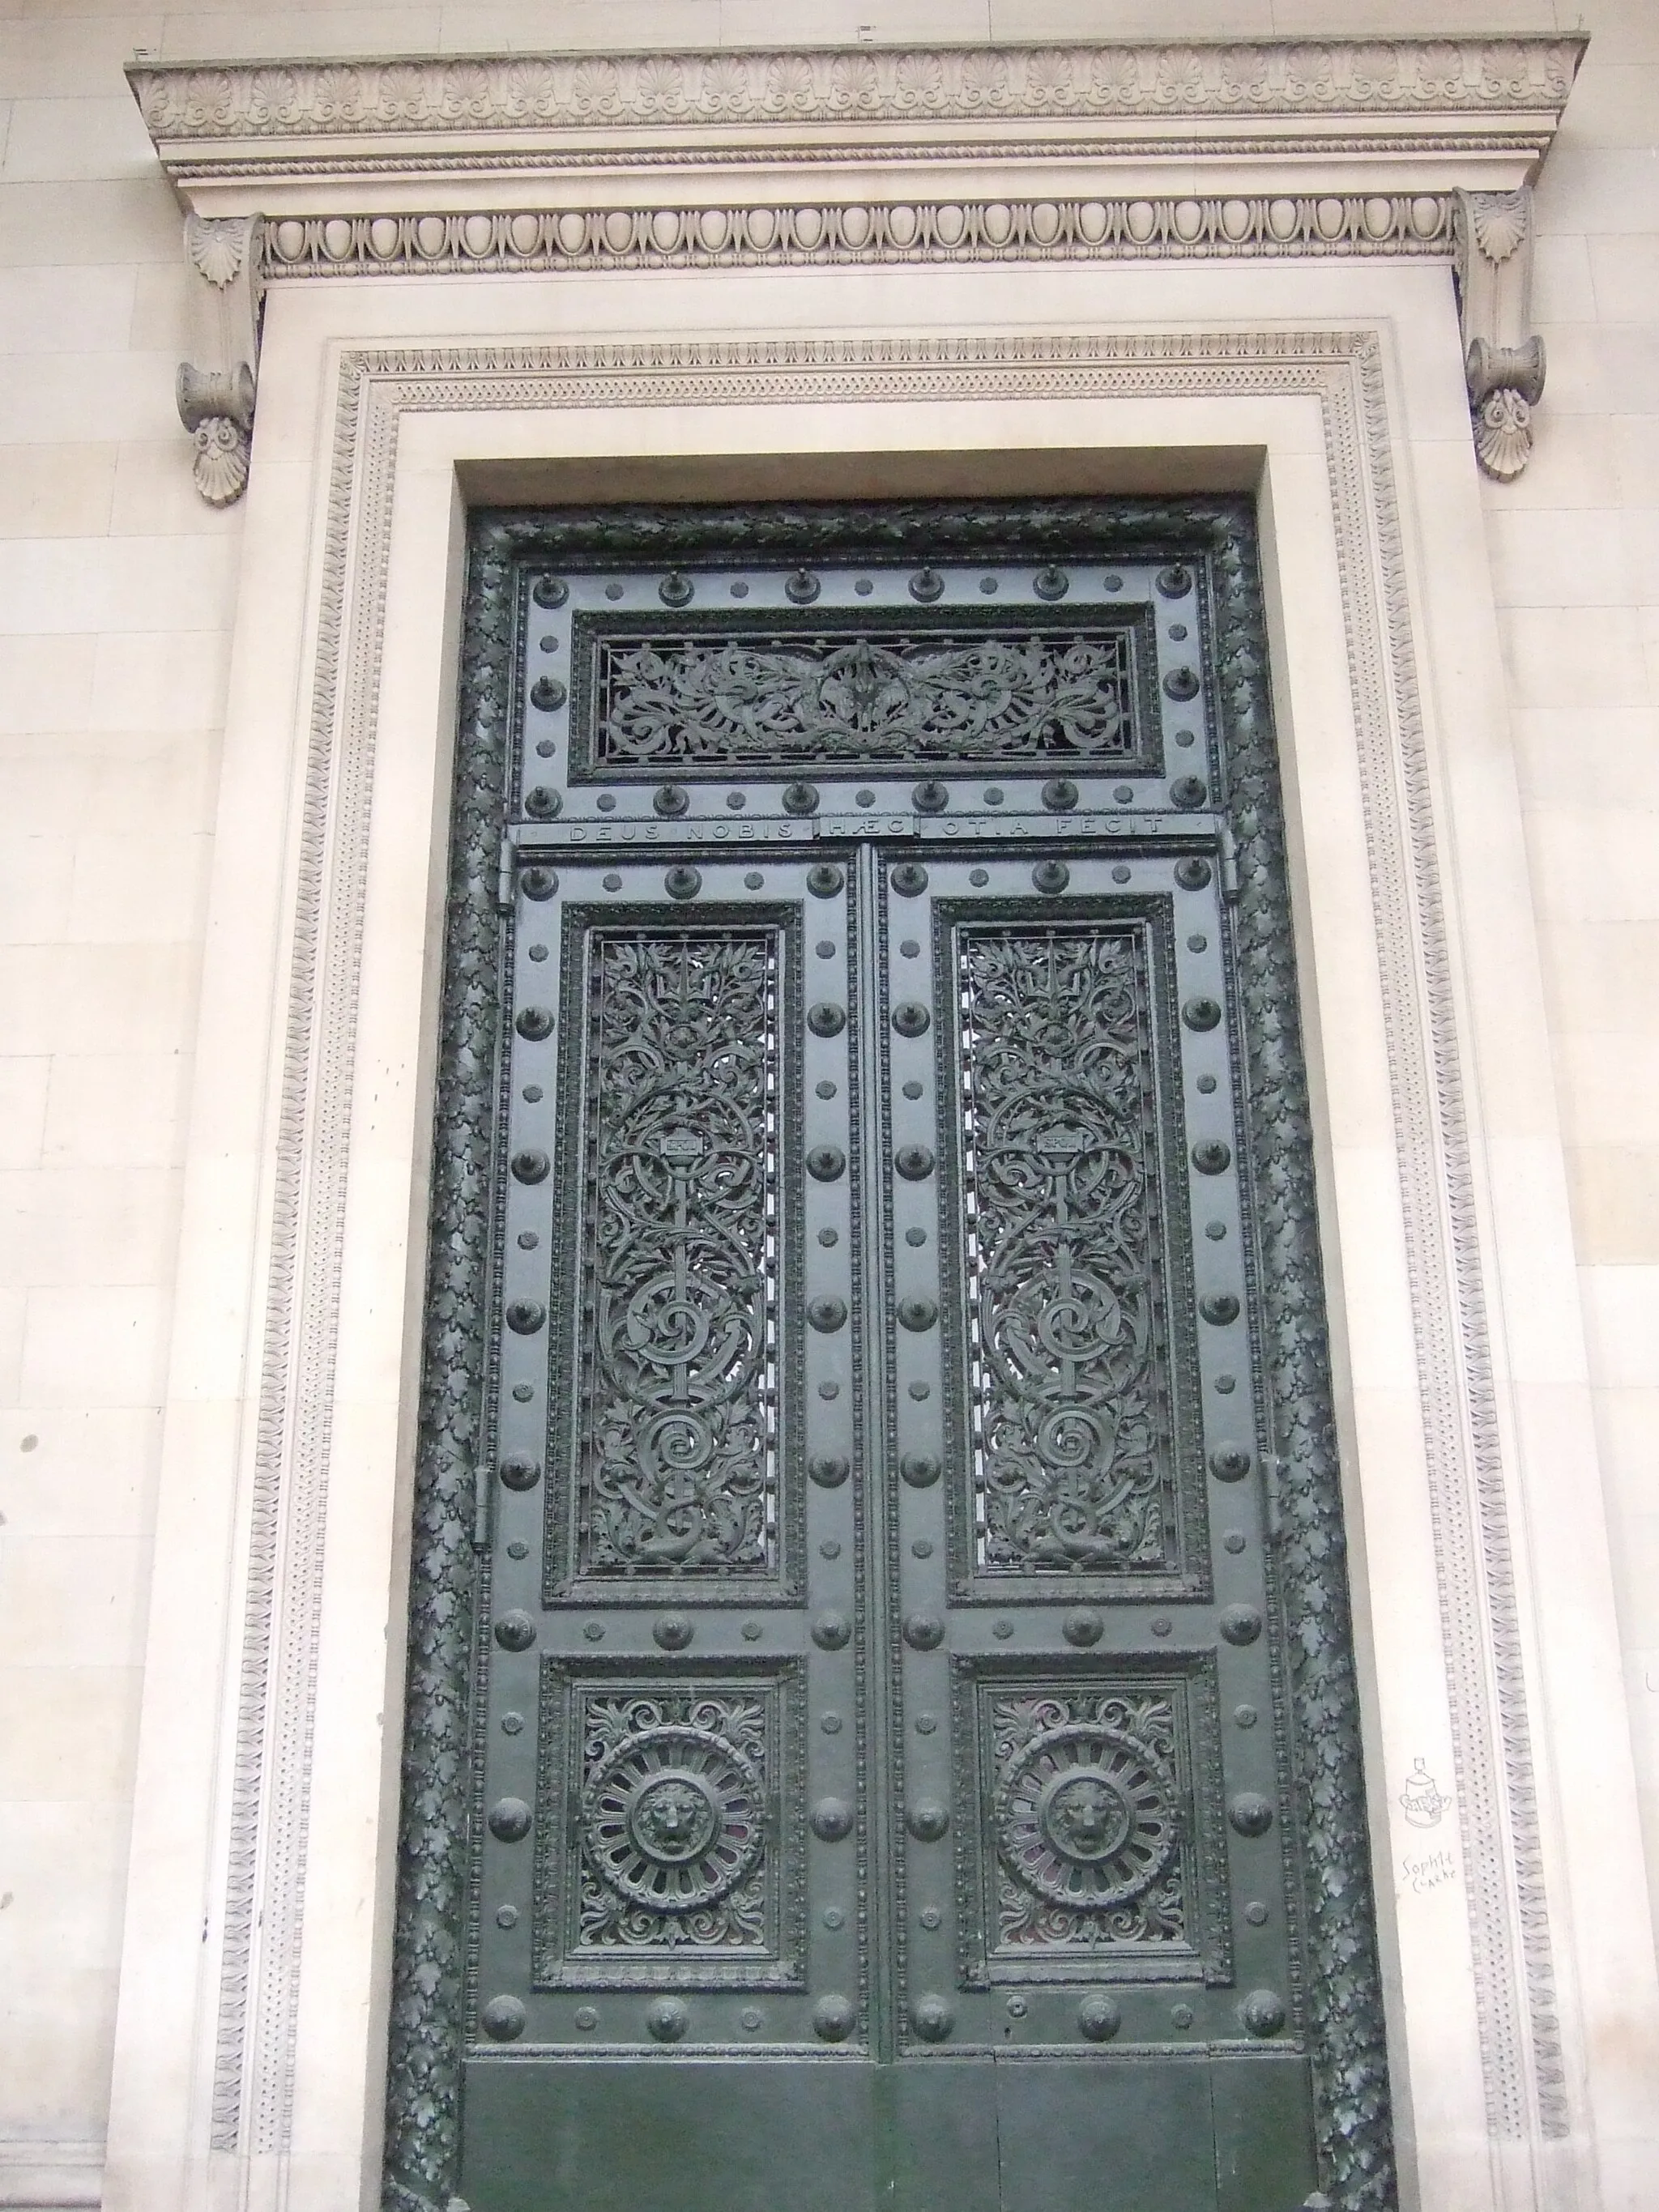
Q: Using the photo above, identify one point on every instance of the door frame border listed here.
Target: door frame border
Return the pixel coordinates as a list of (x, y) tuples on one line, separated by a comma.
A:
[(257, 1821)]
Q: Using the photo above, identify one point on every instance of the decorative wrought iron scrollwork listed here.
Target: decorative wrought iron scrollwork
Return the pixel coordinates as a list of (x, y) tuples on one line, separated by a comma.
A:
[(677, 1391), (1071, 1461), (795, 694)]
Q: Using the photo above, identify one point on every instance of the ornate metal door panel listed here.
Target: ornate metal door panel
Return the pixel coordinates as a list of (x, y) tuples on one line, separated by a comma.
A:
[(893, 1702)]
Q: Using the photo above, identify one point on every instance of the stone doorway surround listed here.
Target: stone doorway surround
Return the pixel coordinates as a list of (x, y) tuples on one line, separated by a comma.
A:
[(743, 275)]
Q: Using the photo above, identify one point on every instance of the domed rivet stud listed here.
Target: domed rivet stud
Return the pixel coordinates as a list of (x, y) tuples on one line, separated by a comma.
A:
[(830, 1631), (586, 2016), (930, 797), (926, 1822), (914, 1162), (1051, 876), (826, 1020), (834, 2019), (1241, 1624), (670, 799), (831, 1820), (671, 1631), (613, 881), (1211, 1157), (675, 590), (931, 2018), (826, 1162), (550, 591), (519, 1472), (1250, 1813), (800, 798), (1192, 873), (546, 693), (525, 1316), (667, 2018), (926, 585), (683, 882), (530, 1166), (1182, 2015), (1059, 794), (917, 1313), (503, 2020), (827, 1315), (538, 882), (911, 1020), (1176, 581), (1098, 2019), (510, 1820), (803, 587), (924, 1631), (1016, 2007), (1051, 583), (909, 878), (1081, 1629), (824, 880), (920, 1472), (515, 1631), (828, 1472), (1230, 1463), (542, 803), (1188, 791), (930, 1915), (1201, 1013), (1221, 1308), (1256, 1913), (1262, 2012)]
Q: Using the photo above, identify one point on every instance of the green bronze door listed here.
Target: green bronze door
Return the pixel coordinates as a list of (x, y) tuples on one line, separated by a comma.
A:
[(884, 1759)]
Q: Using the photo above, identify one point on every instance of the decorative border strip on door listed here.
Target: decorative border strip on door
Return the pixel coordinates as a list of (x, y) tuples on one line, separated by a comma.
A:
[(998, 714)]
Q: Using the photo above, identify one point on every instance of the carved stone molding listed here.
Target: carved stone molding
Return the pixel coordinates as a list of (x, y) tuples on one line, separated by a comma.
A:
[(216, 392), (826, 155), (724, 94), (1503, 355), (530, 239)]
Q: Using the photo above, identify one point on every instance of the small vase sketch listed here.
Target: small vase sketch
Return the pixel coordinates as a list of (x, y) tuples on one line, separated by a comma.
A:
[(1421, 1799)]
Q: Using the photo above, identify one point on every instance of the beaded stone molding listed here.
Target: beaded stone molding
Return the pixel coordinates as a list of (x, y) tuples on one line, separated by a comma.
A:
[(1350, 148)]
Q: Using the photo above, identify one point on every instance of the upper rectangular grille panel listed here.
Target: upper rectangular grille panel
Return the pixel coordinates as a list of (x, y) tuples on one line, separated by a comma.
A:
[(714, 694)]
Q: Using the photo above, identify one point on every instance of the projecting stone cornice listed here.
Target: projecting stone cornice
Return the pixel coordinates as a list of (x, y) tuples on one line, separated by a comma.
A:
[(496, 165), (382, 132)]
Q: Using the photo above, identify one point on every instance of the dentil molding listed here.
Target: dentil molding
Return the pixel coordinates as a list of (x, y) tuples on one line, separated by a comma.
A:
[(536, 164)]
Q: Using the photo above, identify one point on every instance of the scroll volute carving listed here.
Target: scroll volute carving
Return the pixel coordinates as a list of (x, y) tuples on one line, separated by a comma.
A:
[(215, 390), (1502, 356)]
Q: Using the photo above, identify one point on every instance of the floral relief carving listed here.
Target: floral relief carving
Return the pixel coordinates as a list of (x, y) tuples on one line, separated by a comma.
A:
[(1279, 77)]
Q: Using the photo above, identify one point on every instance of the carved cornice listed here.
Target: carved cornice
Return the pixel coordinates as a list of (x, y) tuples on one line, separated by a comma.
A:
[(433, 165), (718, 90), (222, 125)]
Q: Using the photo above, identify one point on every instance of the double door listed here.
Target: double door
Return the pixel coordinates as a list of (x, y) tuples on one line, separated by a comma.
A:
[(880, 1780)]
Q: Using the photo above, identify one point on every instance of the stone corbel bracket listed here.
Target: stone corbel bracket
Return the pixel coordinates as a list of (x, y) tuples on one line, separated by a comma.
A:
[(226, 255), (1503, 355)]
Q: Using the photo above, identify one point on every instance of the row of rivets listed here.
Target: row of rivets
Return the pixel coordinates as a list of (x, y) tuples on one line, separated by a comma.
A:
[(803, 587), (1099, 2018), (1060, 795)]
